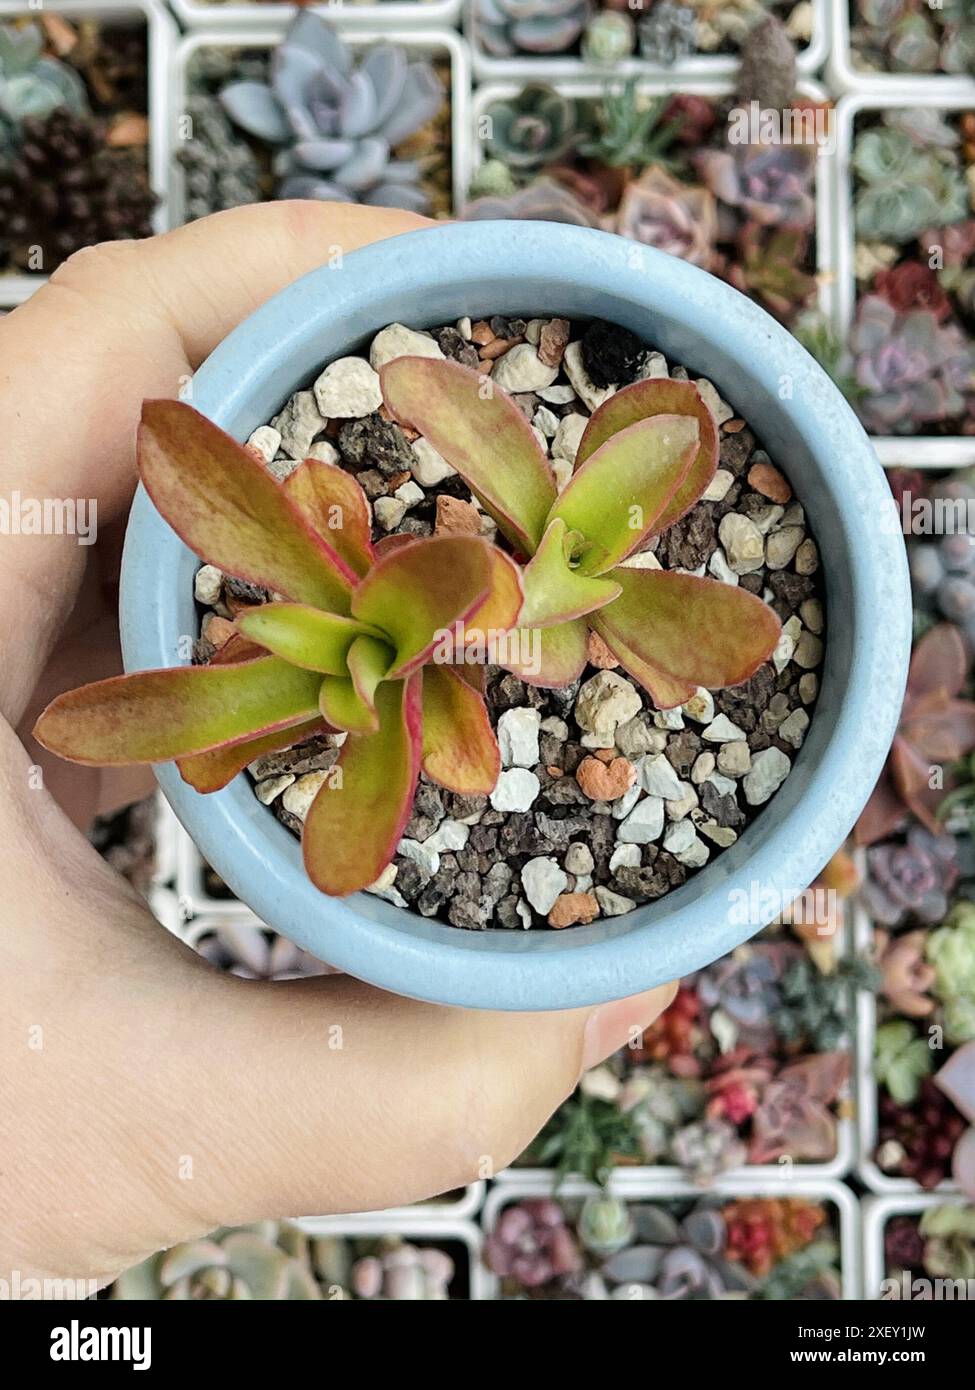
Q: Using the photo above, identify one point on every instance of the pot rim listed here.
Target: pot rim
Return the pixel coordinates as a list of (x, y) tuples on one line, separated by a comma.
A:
[(705, 323)]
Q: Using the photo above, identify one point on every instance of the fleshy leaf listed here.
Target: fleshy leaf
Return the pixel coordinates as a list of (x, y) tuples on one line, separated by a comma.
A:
[(554, 591), (617, 495), (459, 748), (551, 656), (500, 610), (369, 660), (938, 662), (641, 401), (228, 508), (673, 632), (416, 593), (208, 772), (153, 716), (480, 431), (344, 708), (354, 824), (305, 636), (334, 504)]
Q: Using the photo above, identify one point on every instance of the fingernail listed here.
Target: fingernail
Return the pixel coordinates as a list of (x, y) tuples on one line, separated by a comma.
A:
[(622, 1022)]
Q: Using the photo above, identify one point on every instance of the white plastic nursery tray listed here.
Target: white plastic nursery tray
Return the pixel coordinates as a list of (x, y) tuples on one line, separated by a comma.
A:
[(410, 1225), (435, 43), (538, 67), (401, 14), (816, 1189), (15, 288), (705, 86), (911, 451), (845, 76), (876, 1212), (866, 1085)]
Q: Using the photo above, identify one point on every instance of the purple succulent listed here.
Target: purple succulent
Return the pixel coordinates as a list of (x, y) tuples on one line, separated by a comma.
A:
[(912, 369), (770, 184), (679, 1259), (745, 986), (532, 1244), (911, 879), (794, 1115)]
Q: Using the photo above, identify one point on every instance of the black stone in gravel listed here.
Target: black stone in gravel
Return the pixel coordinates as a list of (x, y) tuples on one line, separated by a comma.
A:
[(375, 442), (410, 879), (691, 541), (472, 914), (313, 755), (561, 791), (497, 881), (735, 450), (506, 913), (460, 805), (246, 592), (291, 822), (520, 835), (429, 802), (682, 751), (484, 839), (560, 830), (453, 345), (203, 651), (793, 589), (551, 750), (507, 328), (752, 583), (651, 881), (611, 355), (372, 482), (721, 808), (745, 704)]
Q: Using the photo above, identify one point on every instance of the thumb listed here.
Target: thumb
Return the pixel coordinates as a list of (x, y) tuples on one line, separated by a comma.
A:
[(345, 1099)]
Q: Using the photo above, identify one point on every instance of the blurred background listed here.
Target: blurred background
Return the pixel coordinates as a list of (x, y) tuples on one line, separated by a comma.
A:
[(785, 1131)]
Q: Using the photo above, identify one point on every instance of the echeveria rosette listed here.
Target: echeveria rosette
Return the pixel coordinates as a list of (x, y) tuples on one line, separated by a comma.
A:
[(647, 455), (342, 646)]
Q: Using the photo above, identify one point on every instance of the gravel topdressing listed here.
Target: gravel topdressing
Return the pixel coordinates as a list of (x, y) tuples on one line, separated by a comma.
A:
[(603, 802)]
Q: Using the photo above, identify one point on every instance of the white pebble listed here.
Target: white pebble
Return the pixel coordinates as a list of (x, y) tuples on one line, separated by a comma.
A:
[(719, 567), (568, 436), (717, 488), (543, 881), (657, 776), (644, 823), (516, 790), (770, 768), (298, 797), (423, 856), (521, 369), (389, 511), (449, 835), (700, 707), (588, 392), (518, 736), (348, 389), (266, 440), (624, 857), (612, 904), (207, 585), (793, 729), (399, 341), (271, 787), (429, 468), (721, 730)]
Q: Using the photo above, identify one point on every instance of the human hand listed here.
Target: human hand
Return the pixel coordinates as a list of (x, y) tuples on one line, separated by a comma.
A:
[(145, 1098)]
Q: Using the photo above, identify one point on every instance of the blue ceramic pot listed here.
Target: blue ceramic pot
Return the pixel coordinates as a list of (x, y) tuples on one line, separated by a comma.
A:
[(535, 269)]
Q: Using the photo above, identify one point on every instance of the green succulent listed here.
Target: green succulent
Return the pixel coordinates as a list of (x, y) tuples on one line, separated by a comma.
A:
[(807, 1274), (629, 132), (951, 950), (31, 84), (605, 1224), (584, 1137), (492, 179), (816, 1009), (818, 337), (534, 128), (949, 1250), (609, 37), (268, 1262), (903, 188), (902, 1060)]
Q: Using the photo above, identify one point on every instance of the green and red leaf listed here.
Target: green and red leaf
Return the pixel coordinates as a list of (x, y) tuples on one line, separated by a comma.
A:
[(334, 505), (480, 431), (460, 750), (356, 821), (416, 593), (643, 400), (154, 716), (344, 707), (551, 656), (228, 508), (674, 632), (554, 590), (305, 636), (208, 772), (615, 498)]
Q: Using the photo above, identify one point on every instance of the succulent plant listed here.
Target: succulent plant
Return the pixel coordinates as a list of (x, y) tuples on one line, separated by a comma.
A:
[(680, 1259), (913, 879), (532, 1244), (950, 949), (220, 168), (492, 179), (761, 1231), (33, 85), (902, 1059), (344, 649), (903, 1243), (662, 211), (770, 184), (816, 1008), (949, 1241), (807, 1275), (913, 369), (769, 265), (911, 285), (266, 1262), (604, 1225), (507, 27), (906, 976), (609, 37), (936, 728), (336, 120), (904, 187), (794, 1115), (646, 455), (915, 37), (675, 1036), (744, 987), (707, 1148), (531, 129), (658, 1107), (544, 200), (631, 131), (668, 33), (403, 1272), (917, 1139), (585, 1137)]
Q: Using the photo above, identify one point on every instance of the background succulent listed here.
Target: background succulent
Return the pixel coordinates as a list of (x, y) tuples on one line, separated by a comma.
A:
[(631, 130), (668, 33), (902, 1058), (950, 949), (268, 1262), (337, 118), (532, 129), (220, 168), (609, 37), (678, 218), (904, 187), (506, 27), (913, 370), (532, 1244), (771, 184), (33, 85), (404, 1273)]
